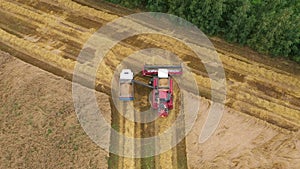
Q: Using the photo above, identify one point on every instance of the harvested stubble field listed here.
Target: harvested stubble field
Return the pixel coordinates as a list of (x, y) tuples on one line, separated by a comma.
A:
[(259, 128)]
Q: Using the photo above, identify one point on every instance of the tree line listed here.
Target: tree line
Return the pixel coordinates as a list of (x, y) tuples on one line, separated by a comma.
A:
[(269, 26)]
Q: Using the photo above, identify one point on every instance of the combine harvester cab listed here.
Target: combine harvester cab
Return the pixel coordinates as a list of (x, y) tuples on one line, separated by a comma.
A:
[(126, 85)]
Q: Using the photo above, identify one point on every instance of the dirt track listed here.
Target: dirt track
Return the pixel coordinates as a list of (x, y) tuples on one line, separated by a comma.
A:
[(50, 34)]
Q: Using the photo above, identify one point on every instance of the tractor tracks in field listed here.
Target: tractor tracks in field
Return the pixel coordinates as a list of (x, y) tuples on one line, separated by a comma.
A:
[(174, 158), (127, 128)]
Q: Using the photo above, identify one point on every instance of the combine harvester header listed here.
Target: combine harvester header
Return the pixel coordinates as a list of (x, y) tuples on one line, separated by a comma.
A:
[(153, 69)]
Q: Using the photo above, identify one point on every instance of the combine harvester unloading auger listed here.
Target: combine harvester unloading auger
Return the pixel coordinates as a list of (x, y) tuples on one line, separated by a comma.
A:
[(160, 81)]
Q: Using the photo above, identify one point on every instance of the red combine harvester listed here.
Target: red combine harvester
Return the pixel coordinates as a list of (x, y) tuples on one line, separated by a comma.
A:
[(161, 82)]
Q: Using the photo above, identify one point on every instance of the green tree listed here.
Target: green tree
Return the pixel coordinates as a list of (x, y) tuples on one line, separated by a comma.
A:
[(206, 14), (179, 8), (277, 29), (238, 22), (158, 5)]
